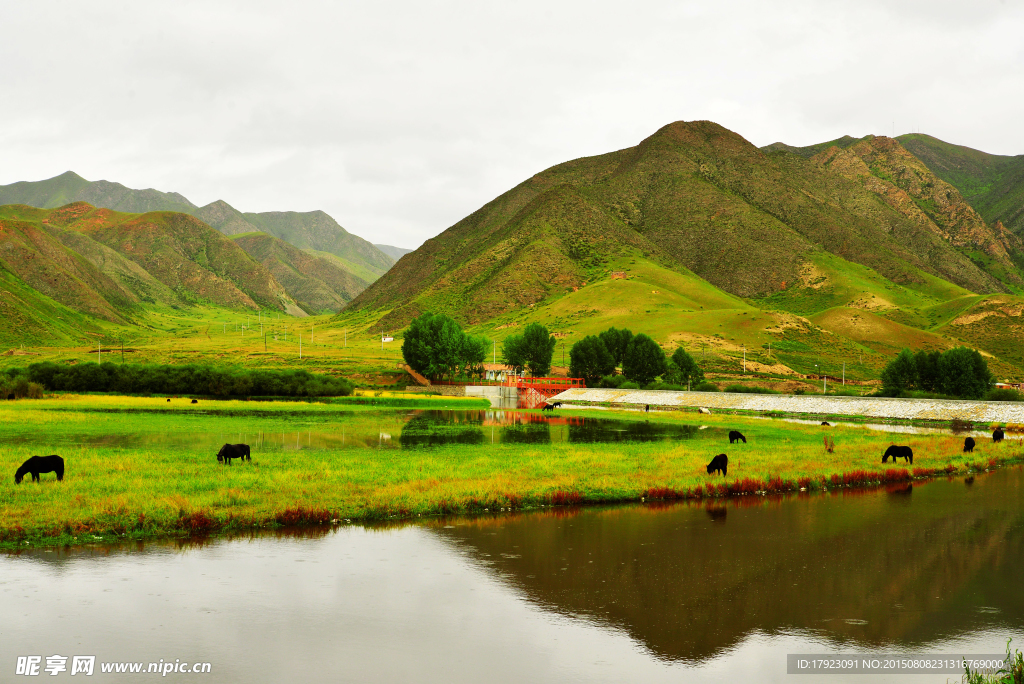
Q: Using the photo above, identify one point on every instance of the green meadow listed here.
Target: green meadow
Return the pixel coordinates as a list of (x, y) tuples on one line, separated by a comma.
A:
[(143, 467)]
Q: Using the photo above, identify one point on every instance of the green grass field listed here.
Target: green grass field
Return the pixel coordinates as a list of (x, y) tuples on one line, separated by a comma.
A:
[(142, 467)]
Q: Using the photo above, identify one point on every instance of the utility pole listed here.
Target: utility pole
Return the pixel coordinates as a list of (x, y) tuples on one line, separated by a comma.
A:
[(98, 347), (300, 346), (844, 374)]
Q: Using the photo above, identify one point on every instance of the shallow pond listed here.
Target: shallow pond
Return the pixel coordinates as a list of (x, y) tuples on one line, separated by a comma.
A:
[(424, 428), (683, 592)]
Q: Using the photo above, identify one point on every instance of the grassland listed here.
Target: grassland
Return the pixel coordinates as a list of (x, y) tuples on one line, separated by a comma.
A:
[(142, 467)]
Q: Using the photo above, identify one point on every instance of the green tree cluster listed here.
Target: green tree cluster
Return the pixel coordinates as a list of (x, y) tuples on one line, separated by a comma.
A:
[(958, 372), (594, 359), (530, 351), (436, 346), (219, 381)]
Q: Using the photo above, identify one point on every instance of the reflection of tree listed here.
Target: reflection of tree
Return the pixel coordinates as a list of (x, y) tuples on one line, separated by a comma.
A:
[(602, 430), (434, 428), (526, 433), (690, 583)]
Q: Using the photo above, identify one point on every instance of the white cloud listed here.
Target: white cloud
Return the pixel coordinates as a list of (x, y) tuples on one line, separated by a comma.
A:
[(400, 118)]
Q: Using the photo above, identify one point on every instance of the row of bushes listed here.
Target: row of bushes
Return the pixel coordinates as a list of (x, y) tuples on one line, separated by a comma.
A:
[(166, 379), (19, 388)]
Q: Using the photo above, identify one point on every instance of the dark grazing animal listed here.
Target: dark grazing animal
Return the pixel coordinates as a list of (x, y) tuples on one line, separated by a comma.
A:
[(230, 451), (997, 436), (40, 464), (195, 401), (735, 436), (547, 407), (903, 452), (168, 400), (969, 445), (720, 463), (825, 423)]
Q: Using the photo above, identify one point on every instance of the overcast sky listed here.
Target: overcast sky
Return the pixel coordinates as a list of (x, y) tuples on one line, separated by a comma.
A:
[(399, 118)]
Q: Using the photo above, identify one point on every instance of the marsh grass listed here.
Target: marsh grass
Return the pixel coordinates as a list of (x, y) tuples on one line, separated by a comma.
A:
[(152, 490)]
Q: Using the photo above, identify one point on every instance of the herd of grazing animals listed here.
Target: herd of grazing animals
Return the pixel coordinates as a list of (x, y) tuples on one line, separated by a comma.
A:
[(720, 463)]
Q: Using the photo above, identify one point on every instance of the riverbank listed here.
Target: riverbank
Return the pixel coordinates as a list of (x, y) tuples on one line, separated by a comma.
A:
[(125, 480), (824, 406)]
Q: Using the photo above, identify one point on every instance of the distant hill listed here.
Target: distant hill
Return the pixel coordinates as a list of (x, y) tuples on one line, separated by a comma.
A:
[(993, 184), (107, 264), (315, 230), (317, 284), (395, 253), (70, 187)]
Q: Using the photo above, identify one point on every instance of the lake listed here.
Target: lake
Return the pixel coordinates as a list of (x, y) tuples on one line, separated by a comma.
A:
[(711, 592)]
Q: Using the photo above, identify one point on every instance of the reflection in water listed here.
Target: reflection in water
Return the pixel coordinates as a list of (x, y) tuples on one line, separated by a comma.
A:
[(907, 566), (713, 591)]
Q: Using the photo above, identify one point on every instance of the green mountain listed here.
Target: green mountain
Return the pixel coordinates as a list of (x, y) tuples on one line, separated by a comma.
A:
[(106, 263), (313, 231), (317, 284), (70, 187), (993, 184), (698, 237)]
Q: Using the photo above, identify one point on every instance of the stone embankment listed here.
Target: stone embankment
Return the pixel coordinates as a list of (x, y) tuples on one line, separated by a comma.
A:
[(866, 407)]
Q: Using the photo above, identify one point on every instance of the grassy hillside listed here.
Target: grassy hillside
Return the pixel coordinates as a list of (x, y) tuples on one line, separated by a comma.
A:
[(318, 284), (314, 231), (993, 184)]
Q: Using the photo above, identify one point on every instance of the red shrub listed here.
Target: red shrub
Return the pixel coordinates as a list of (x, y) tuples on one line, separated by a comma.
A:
[(304, 516), (561, 498), (196, 522)]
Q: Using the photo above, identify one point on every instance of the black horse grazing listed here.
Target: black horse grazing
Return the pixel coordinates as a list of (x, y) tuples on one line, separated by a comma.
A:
[(720, 463), (40, 464), (969, 445), (547, 407), (997, 436), (904, 452), (195, 401), (230, 451), (825, 423), (735, 436)]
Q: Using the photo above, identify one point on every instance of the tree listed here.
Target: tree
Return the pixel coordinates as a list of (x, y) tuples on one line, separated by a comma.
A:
[(900, 374), (590, 359), (435, 345), (513, 353), (538, 348), (643, 360), (616, 342), (963, 373), (686, 370), (927, 363)]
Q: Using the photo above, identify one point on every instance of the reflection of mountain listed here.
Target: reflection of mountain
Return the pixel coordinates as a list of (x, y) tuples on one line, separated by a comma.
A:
[(865, 568)]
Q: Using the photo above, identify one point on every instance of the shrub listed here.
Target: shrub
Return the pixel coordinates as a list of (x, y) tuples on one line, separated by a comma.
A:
[(1003, 394), (706, 386), (629, 385), (748, 389)]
